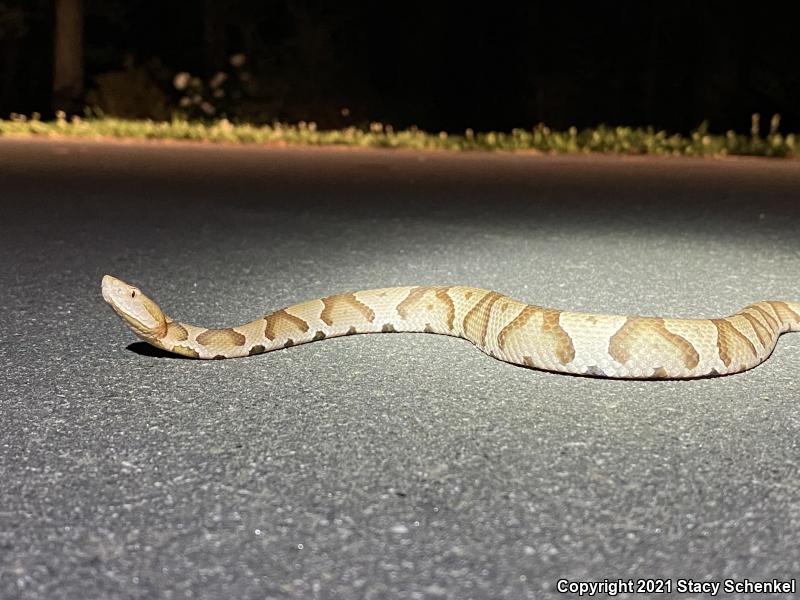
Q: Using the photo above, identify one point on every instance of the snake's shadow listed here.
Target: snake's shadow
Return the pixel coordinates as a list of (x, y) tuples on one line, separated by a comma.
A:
[(145, 349)]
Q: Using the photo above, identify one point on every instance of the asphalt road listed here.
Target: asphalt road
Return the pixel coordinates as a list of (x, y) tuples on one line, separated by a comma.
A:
[(387, 466)]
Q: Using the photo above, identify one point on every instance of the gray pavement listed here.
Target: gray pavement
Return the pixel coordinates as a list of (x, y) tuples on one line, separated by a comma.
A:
[(385, 466)]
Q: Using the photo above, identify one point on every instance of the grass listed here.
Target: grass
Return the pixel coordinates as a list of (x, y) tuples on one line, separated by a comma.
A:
[(603, 139)]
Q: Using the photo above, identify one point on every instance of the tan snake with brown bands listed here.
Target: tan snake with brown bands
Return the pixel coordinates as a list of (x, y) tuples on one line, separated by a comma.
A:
[(599, 345)]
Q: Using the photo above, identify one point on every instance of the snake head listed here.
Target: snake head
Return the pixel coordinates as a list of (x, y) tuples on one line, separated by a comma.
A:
[(141, 314)]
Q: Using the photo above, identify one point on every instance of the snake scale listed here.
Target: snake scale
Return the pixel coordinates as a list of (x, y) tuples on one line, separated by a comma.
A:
[(616, 346)]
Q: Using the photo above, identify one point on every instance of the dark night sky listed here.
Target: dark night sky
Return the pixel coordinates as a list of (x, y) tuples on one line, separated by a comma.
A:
[(452, 65)]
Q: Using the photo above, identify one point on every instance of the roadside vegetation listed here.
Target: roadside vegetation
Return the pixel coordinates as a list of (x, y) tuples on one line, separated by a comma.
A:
[(602, 139)]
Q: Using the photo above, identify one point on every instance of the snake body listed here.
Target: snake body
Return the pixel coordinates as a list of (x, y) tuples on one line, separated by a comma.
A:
[(617, 346)]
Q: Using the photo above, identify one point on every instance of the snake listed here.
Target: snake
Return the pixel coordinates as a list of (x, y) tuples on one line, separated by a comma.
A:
[(547, 339)]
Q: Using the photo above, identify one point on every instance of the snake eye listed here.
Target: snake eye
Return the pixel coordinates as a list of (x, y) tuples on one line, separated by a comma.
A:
[(133, 293)]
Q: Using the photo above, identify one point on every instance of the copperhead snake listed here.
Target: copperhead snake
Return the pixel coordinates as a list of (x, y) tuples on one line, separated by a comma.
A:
[(615, 346)]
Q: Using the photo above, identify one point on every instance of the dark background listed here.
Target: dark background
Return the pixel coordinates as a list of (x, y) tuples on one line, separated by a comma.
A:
[(439, 65)]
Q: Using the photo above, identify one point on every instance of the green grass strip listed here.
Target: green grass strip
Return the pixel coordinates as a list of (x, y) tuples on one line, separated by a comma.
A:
[(609, 140)]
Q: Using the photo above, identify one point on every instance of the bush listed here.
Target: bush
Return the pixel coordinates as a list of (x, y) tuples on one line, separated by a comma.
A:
[(131, 93)]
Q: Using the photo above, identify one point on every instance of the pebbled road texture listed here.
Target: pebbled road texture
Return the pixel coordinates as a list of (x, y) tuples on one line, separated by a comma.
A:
[(383, 466)]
